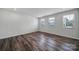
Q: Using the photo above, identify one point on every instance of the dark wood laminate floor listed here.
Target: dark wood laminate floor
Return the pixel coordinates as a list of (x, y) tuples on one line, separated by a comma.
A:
[(39, 41)]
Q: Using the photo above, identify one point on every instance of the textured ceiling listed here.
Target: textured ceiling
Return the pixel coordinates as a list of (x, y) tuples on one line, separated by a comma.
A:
[(37, 12)]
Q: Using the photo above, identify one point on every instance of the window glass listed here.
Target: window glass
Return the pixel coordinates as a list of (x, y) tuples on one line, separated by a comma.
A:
[(68, 20), (51, 21), (42, 21)]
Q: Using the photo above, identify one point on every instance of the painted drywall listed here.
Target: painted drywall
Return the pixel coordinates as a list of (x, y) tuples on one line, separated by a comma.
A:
[(12, 24), (78, 23), (59, 29)]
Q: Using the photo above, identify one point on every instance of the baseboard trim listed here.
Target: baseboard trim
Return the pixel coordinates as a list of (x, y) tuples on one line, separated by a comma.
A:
[(57, 35), (41, 32), (19, 35)]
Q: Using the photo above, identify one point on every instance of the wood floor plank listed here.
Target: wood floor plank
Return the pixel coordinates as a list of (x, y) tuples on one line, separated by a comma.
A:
[(39, 41)]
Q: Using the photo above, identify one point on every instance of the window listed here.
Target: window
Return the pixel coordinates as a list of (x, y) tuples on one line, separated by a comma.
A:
[(42, 21), (68, 20), (51, 21)]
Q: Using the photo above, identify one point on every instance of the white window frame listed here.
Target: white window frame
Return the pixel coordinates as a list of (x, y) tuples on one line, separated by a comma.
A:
[(51, 21), (67, 18), (42, 22)]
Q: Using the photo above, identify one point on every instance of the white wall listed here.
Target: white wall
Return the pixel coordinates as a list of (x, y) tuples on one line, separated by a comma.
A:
[(12, 24), (78, 22), (59, 29)]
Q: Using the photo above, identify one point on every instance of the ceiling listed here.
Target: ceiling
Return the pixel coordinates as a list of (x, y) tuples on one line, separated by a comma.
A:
[(37, 12)]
